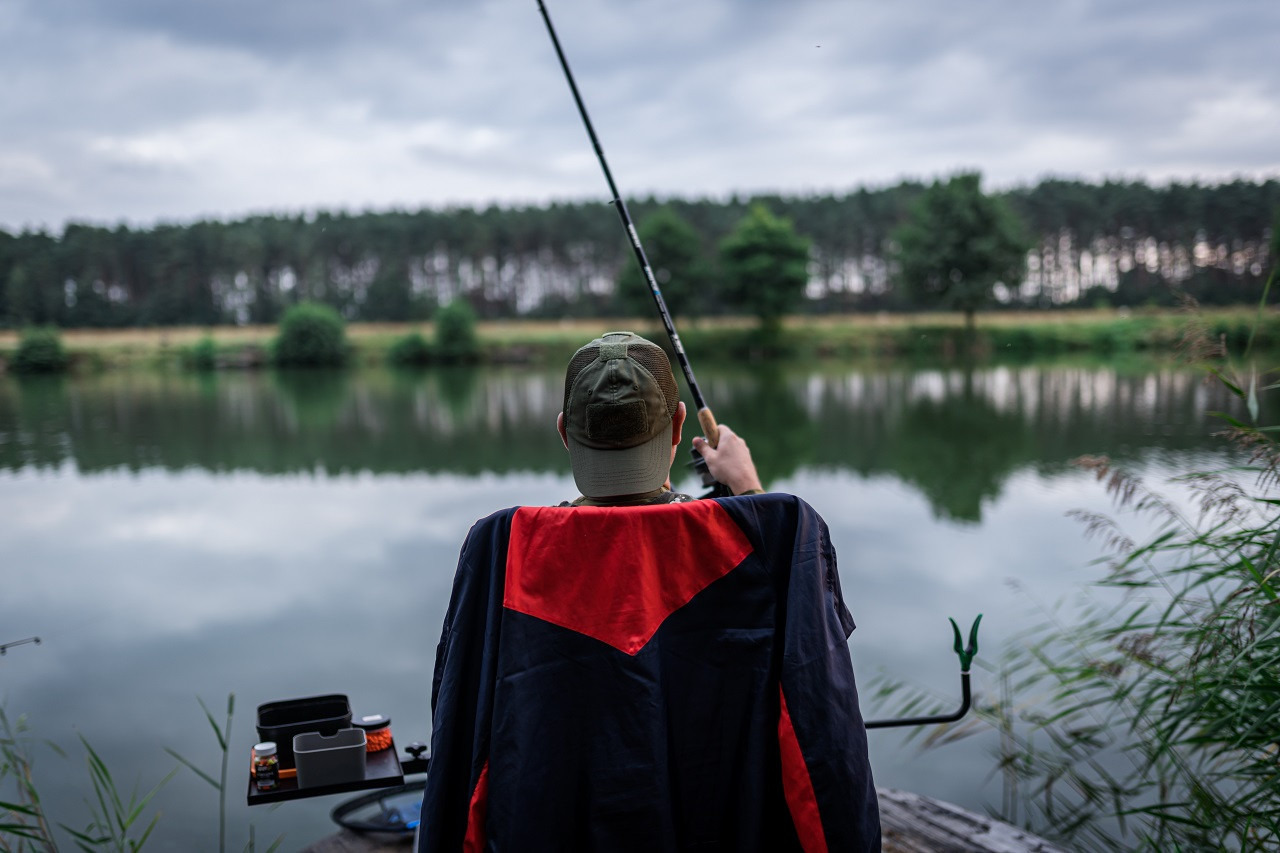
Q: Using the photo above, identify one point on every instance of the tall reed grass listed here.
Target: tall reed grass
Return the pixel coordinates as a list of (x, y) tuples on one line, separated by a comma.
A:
[(1151, 718), (117, 821)]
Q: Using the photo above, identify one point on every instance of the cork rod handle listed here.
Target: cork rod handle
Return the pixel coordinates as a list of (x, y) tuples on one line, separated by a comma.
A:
[(710, 429)]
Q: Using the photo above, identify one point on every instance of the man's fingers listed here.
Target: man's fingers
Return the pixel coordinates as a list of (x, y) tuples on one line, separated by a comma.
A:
[(703, 445)]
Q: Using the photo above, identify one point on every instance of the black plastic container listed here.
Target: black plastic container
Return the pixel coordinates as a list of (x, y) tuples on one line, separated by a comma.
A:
[(280, 721)]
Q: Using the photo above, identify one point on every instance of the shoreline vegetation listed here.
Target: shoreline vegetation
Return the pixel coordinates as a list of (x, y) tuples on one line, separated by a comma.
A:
[(1142, 715), (845, 337)]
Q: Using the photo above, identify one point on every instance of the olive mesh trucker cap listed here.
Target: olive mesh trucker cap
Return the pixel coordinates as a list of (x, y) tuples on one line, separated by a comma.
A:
[(619, 398)]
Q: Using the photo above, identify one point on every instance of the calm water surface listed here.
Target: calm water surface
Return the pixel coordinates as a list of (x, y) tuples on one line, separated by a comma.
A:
[(174, 537)]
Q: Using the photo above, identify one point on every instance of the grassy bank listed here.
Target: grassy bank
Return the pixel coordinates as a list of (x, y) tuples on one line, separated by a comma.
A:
[(843, 337)]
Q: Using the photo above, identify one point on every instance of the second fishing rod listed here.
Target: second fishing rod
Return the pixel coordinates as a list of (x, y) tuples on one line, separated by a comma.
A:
[(710, 430)]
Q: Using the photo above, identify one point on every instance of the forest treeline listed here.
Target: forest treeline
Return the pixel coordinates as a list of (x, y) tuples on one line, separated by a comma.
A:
[(1118, 243)]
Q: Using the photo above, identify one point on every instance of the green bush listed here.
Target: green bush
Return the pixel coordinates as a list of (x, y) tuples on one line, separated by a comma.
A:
[(456, 339), (1234, 333), (412, 350), (1110, 338), (40, 351), (311, 335), (1012, 339), (202, 355)]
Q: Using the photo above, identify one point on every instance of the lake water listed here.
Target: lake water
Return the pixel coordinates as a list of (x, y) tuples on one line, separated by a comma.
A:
[(174, 536)]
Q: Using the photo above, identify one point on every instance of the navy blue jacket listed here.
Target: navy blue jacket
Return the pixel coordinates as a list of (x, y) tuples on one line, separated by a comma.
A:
[(671, 677)]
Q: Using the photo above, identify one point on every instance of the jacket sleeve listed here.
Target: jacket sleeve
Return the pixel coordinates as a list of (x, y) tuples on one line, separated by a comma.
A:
[(823, 742), (462, 693)]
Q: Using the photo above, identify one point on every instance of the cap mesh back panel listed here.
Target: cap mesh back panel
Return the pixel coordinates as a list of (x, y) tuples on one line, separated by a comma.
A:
[(651, 358)]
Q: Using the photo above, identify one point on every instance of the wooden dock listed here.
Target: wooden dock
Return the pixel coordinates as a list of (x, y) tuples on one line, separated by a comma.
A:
[(909, 822)]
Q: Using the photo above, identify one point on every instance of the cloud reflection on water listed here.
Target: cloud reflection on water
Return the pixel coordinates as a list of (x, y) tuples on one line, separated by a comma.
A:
[(161, 563)]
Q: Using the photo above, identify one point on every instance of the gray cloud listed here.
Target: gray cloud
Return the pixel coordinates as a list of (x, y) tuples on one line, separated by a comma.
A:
[(143, 109), (271, 29)]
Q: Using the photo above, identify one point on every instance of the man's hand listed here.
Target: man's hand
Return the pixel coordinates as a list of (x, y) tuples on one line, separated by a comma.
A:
[(730, 463)]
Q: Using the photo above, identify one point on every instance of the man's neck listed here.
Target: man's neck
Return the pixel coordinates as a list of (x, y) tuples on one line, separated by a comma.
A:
[(622, 500)]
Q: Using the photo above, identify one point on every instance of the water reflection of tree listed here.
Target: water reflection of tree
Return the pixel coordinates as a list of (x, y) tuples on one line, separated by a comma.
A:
[(458, 388), (958, 450), (770, 416), (315, 397), (33, 422), (956, 436)]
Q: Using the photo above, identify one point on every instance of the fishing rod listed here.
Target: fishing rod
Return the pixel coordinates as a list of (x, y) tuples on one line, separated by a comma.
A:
[(710, 430), (705, 417)]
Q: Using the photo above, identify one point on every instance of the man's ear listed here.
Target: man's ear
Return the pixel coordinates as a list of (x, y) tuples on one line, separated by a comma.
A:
[(677, 421), (564, 436)]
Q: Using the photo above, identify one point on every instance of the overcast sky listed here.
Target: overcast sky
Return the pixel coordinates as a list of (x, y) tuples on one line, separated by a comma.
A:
[(151, 110)]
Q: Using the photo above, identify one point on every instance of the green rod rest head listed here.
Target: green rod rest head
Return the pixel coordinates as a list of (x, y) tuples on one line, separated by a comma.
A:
[(966, 655)]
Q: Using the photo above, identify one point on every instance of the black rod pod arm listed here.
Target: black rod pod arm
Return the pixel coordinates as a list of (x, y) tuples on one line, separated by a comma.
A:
[(414, 762), (4, 647), (705, 418), (966, 655)]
